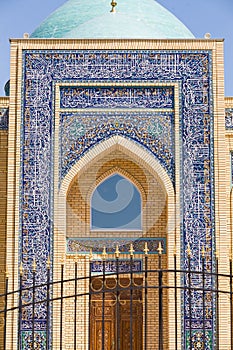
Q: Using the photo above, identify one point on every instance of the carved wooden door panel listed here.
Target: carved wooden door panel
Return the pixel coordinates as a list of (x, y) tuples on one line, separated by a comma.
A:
[(96, 325), (129, 308), (136, 326)]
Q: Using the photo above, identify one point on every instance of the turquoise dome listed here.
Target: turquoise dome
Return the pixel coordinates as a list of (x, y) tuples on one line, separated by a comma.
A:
[(133, 19)]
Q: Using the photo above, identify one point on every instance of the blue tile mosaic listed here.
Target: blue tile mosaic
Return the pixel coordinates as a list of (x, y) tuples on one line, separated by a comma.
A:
[(110, 266), (116, 97), (198, 341), (39, 340), (229, 118), (4, 116), (83, 245), (192, 71), (80, 131)]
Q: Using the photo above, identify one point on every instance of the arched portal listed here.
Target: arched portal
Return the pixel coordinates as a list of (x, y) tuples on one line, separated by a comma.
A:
[(76, 236)]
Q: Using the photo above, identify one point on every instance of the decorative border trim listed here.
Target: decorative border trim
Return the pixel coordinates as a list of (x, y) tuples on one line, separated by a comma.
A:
[(193, 70), (124, 266), (84, 245)]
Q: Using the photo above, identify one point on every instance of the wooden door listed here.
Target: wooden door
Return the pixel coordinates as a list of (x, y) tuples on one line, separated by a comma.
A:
[(136, 326), (129, 307), (96, 325)]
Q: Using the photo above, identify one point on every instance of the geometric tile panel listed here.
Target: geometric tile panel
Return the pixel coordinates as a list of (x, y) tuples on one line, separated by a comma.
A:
[(200, 340), (39, 340), (4, 115), (229, 118), (80, 131)]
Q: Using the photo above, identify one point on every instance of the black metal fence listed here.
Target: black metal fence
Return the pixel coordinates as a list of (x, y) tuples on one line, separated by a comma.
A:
[(123, 297)]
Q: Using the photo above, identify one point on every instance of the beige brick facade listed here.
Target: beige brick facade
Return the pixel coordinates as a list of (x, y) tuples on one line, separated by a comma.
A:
[(4, 103)]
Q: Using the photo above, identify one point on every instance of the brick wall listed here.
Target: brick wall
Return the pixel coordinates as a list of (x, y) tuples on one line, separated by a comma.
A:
[(3, 202)]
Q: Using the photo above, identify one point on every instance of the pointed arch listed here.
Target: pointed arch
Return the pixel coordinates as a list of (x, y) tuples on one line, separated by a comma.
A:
[(127, 146), (140, 155)]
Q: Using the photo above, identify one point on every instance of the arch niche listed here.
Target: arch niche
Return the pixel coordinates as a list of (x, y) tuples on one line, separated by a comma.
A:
[(117, 155)]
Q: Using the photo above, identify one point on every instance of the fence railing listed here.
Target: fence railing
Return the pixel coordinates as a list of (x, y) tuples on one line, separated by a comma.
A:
[(131, 303)]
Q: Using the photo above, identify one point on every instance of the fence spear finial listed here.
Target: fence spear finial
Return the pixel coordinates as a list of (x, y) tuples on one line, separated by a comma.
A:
[(117, 252), (34, 265), (203, 251), (76, 259), (48, 263), (63, 260), (189, 252), (131, 250), (21, 269), (146, 249), (91, 254), (174, 251), (160, 248), (7, 272), (104, 254)]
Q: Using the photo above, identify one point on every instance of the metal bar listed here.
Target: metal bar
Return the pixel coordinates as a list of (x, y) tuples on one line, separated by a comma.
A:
[(203, 297), (103, 307), (20, 307), (131, 301), (75, 303), (61, 304), (117, 306), (33, 302), (5, 308), (217, 306), (190, 301), (89, 305), (175, 297), (231, 306), (189, 289), (160, 279), (48, 305), (145, 303)]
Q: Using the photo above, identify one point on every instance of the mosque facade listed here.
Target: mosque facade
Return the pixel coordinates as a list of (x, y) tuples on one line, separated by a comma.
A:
[(116, 134)]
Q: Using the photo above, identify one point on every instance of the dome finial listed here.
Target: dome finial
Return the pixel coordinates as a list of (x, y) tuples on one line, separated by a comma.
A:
[(113, 4)]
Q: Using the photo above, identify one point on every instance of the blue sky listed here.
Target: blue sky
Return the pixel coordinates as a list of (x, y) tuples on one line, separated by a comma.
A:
[(116, 204), (200, 16)]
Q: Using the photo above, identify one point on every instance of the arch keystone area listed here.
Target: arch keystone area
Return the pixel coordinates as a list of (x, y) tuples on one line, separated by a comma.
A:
[(126, 146)]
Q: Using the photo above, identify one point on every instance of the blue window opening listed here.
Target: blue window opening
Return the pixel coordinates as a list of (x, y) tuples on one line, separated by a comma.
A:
[(116, 205)]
